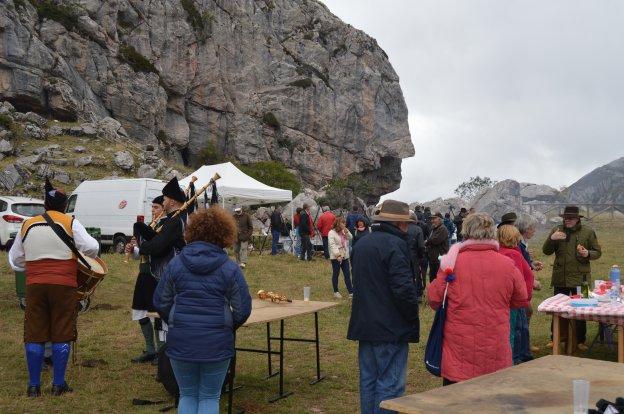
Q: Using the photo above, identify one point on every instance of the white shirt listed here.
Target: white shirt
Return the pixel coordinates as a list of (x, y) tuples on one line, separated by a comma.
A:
[(85, 244)]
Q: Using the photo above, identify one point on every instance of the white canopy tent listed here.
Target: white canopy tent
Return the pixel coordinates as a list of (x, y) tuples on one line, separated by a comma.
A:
[(237, 188)]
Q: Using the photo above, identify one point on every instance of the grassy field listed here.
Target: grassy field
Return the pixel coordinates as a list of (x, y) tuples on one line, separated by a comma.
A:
[(108, 335)]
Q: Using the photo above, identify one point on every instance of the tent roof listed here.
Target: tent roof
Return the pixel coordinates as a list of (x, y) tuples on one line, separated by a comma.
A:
[(236, 187)]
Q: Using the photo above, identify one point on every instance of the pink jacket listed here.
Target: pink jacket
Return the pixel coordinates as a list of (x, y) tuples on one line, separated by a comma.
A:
[(522, 266), (476, 332)]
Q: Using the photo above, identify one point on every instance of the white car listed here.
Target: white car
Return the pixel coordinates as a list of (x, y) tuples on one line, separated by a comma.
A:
[(13, 212)]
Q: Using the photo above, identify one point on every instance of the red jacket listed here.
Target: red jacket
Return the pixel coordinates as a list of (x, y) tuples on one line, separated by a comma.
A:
[(522, 265), (476, 331), (296, 220), (325, 223)]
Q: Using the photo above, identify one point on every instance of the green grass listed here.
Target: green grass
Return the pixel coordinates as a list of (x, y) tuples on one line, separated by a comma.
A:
[(113, 337)]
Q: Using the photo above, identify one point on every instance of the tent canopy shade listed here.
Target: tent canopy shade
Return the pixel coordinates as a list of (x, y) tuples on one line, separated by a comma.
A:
[(237, 188)]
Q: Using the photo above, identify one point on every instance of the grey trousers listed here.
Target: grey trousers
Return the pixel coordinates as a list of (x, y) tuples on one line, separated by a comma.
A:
[(241, 249)]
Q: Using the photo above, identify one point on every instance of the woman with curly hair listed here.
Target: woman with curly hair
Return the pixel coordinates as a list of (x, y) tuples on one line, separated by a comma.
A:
[(203, 298)]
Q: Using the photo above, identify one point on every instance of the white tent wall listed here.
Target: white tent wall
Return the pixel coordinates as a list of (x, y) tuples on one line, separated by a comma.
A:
[(237, 188)]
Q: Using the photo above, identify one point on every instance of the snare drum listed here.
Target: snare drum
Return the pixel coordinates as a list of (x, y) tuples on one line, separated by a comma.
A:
[(89, 279)]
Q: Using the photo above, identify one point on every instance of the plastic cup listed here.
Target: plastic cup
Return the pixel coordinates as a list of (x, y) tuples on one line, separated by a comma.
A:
[(580, 391), (306, 293)]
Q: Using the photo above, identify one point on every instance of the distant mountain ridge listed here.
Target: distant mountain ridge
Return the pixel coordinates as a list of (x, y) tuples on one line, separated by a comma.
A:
[(603, 185)]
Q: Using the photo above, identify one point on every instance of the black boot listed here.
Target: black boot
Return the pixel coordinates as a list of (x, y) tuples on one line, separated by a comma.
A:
[(33, 391), (145, 357), (60, 389)]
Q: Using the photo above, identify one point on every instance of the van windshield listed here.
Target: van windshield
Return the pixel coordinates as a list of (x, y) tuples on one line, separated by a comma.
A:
[(28, 210)]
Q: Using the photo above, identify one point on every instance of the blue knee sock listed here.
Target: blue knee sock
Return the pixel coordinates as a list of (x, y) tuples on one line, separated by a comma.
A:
[(60, 356), (34, 360)]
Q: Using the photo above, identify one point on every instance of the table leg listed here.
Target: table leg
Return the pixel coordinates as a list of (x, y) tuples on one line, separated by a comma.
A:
[(556, 334), (318, 351), (571, 343), (620, 343), (281, 393), (271, 373)]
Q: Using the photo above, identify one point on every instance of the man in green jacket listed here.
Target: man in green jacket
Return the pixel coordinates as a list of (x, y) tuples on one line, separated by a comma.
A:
[(574, 246)]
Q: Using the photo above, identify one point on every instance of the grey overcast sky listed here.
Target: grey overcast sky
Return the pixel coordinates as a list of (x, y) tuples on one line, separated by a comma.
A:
[(531, 90)]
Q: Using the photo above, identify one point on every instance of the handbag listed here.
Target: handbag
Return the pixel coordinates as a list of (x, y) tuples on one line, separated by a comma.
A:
[(433, 350)]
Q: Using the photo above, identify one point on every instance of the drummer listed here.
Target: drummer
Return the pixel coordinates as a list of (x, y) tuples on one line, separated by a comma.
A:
[(51, 299), (160, 246)]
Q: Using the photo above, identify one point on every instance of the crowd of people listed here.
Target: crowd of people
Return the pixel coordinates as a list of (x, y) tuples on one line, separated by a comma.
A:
[(188, 283)]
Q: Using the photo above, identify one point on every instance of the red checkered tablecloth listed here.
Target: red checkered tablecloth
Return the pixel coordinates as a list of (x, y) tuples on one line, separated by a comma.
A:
[(610, 313)]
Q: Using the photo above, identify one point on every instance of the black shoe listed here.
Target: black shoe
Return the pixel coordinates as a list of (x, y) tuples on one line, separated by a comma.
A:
[(33, 391), (58, 390), (145, 357), (155, 360)]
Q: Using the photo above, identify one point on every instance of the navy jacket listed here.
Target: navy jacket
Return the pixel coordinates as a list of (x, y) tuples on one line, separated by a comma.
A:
[(204, 298), (385, 304), (525, 253)]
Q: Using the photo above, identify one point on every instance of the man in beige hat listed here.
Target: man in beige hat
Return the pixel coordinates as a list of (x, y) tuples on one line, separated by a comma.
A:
[(384, 315)]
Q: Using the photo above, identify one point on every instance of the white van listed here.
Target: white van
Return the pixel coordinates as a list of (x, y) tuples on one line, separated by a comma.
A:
[(114, 206)]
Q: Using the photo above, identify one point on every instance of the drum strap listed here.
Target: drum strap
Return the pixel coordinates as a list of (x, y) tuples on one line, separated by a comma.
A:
[(69, 242)]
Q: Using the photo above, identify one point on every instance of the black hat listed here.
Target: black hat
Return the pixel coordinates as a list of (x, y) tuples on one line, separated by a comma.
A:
[(173, 191), (463, 210), (159, 200), (54, 198), (571, 212), (508, 218)]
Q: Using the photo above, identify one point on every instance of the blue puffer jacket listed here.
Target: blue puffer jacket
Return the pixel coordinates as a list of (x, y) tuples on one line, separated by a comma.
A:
[(204, 298)]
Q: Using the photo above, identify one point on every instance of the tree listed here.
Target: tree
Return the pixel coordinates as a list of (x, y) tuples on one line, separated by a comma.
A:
[(469, 189)]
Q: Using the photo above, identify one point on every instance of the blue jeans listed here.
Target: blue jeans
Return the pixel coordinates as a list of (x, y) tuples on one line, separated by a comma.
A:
[(522, 343), (383, 369), (275, 236), (297, 242), (200, 385), (336, 266)]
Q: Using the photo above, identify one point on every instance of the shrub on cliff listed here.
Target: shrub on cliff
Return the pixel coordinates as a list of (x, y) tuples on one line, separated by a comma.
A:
[(137, 61), (273, 173), (65, 15)]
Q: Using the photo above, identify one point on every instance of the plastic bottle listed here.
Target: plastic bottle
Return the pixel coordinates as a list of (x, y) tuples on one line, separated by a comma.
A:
[(585, 287), (614, 276)]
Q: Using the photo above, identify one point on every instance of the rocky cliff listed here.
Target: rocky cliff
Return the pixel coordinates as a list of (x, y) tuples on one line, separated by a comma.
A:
[(603, 185), (206, 79)]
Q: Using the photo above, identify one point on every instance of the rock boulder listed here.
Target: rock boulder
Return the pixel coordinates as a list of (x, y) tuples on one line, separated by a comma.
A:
[(256, 80), (124, 160)]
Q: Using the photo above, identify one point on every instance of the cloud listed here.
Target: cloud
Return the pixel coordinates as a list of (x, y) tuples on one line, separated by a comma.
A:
[(529, 90)]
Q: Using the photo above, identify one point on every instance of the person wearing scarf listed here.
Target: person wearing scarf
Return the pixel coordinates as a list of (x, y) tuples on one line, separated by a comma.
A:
[(338, 239)]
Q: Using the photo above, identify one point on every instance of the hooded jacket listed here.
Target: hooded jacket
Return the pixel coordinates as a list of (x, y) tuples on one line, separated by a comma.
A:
[(204, 298), (570, 267)]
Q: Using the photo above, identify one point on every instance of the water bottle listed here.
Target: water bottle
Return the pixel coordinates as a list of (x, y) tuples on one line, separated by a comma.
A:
[(614, 276)]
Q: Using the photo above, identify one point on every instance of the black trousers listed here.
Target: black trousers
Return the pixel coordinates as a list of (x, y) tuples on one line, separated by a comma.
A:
[(434, 266), (306, 247), (446, 382), (581, 326)]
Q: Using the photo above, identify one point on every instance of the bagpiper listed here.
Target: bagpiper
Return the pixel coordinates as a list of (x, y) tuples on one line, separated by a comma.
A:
[(159, 243)]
